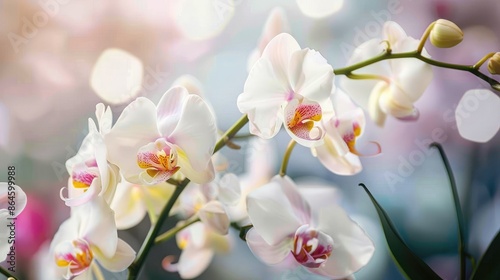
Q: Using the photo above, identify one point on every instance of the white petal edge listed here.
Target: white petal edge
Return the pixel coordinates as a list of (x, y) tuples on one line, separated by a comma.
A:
[(277, 209), (121, 260), (266, 253), (353, 248), (136, 127), (193, 261), (20, 197)]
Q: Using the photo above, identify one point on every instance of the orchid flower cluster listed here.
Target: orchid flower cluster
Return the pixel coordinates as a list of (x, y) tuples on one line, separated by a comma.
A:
[(162, 160)]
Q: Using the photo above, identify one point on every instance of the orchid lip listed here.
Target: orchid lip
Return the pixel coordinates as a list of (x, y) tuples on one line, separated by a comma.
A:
[(76, 255), (83, 174), (311, 247), (158, 160)]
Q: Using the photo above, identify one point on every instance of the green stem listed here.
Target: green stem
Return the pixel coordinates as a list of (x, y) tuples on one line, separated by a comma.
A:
[(231, 132), (415, 54), (286, 157), (425, 36), (6, 273), (243, 136), (367, 77), (483, 60), (458, 208), (136, 266), (172, 232)]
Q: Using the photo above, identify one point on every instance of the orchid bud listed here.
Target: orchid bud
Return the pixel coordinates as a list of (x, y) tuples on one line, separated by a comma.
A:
[(446, 34), (494, 64)]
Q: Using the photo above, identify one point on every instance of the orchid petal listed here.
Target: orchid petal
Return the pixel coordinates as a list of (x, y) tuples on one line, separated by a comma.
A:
[(279, 52), (104, 117), (193, 261), (391, 106), (263, 94), (265, 252), (413, 76), (195, 134), (352, 247), (310, 75), (128, 205), (169, 109), (117, 76), (300, 122), (123, 257), (277, 210), (359, 90), (191, 84), (196, 176), (477, 115), (17, 193), (348, 164), (376, 113), (194, 236), (77, 197), (97, 225), (135, 127), (158, 195), (229, 189), (214, 216), (394, 32), (276, 23), (346, 109)]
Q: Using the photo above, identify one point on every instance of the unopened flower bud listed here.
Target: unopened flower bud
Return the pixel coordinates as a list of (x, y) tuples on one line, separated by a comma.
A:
[(446, 34), (494, 64)]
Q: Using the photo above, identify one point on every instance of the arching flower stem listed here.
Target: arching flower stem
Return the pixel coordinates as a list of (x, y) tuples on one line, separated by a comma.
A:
[(473, 69), (286, 157)]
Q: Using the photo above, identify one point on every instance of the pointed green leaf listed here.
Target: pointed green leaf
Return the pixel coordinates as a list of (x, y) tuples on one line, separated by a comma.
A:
[(489, 265), (409, 263)]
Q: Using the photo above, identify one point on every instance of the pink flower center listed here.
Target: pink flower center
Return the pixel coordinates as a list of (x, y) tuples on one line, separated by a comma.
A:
[(84, 173), (158, 159), (311, 248), (75, 255), (300, 118), (350, 138)]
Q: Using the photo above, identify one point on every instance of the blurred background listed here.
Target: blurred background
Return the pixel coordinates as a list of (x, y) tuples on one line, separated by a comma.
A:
[(49, 49)]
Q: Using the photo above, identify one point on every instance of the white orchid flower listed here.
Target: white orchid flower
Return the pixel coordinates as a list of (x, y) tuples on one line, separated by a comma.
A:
[(328, 242), (343, 127), (210, 202), (151, 143), (87, 237), (199, 243), (287, 85), (90, 172), (132, 201), (404, 80), (12, 202)]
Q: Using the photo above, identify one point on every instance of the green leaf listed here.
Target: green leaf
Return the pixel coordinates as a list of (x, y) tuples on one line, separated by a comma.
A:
[(489, 265), (409, 263)]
